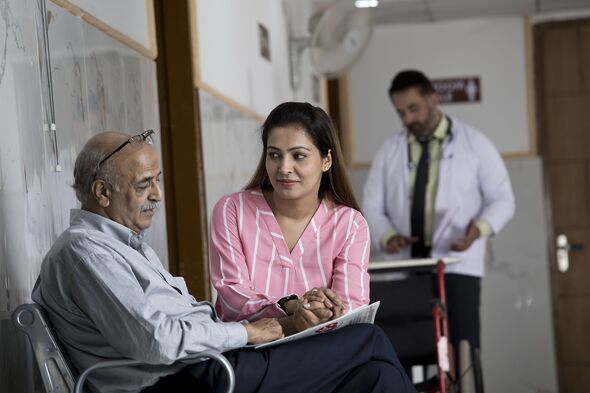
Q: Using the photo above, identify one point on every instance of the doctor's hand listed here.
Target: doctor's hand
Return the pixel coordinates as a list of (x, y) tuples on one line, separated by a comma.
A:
[(471, 234), (398, 242)]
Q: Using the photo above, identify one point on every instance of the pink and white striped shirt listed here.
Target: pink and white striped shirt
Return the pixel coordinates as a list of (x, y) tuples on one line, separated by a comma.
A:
[(252, 268)]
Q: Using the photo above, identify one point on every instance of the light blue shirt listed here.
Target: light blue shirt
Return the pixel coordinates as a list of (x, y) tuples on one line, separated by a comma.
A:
[(109, 297)]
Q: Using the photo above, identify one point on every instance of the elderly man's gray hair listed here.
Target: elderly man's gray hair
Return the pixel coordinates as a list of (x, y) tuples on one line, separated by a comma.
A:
[(86, 170)]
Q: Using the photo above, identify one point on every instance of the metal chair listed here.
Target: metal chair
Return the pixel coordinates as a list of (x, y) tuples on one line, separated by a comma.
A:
[(53, 366)]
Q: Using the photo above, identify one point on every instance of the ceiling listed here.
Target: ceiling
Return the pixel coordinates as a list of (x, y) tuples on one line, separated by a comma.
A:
[(411, 11)]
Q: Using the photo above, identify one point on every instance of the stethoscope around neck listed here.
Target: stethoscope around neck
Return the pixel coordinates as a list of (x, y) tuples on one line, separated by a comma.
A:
[(443, 142)]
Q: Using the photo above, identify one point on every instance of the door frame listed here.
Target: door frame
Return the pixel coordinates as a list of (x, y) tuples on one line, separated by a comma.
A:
[(542, 148), (180, 124)]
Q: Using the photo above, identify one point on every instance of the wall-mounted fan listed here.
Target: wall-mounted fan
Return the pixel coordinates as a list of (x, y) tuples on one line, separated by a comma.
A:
[(339, 34)]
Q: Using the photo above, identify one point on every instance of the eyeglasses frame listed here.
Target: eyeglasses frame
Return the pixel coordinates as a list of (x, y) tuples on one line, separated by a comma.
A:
[(145, 136)]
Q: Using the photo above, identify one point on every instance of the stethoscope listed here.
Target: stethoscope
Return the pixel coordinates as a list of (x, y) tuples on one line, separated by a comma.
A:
[(442, 142)]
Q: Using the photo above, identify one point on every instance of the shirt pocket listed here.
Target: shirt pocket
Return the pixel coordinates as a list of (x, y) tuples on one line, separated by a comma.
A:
[(467, 178)]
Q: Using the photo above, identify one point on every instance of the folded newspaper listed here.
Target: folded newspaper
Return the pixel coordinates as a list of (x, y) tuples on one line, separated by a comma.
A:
[(363, 314)]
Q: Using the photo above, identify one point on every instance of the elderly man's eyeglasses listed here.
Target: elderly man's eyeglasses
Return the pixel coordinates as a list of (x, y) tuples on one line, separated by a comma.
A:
[(134, 141)]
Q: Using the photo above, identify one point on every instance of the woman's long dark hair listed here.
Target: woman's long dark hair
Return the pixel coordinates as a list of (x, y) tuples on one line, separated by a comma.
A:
[(319, 127)]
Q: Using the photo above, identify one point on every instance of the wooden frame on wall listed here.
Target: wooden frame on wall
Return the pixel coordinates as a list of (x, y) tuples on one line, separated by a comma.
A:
[(340, 90), (339, 108), (150, 51), (198, 81), (531, 101)]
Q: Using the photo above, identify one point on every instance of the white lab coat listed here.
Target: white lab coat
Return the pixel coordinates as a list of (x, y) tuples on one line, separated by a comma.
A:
[(473, 183)]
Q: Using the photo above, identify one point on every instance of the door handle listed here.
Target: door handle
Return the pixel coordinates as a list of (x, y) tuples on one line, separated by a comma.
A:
[(563, 250)]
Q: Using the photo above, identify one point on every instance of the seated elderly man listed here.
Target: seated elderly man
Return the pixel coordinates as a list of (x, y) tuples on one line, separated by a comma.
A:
[(108, 297)]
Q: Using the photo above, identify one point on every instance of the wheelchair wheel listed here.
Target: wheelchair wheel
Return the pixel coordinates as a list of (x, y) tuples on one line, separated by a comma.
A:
[(477, 370), (470, 376)]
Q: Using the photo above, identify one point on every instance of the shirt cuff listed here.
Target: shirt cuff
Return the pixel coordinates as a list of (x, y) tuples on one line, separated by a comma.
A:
[(237, 335), (388, 235), (485, 229)]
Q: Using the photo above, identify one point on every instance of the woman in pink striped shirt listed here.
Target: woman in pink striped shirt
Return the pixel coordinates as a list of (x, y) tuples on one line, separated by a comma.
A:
[(293, 245)]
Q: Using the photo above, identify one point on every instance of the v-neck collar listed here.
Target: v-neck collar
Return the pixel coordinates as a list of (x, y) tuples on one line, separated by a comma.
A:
[(310, 234)]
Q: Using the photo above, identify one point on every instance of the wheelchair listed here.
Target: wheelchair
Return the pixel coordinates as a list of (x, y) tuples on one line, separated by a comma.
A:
[(413, 314)]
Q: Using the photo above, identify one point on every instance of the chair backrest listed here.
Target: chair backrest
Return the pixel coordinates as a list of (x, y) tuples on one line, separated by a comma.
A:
[(57, 377), (53, 365)]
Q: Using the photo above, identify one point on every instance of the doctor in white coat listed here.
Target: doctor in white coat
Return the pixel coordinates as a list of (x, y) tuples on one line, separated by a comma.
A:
[(443, 203)]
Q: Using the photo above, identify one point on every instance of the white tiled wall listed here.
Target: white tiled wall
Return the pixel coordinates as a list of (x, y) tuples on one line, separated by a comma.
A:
[(98, 84), (231, 148)]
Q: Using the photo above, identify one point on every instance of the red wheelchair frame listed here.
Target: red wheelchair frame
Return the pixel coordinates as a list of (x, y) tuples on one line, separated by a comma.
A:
[(441, 329)]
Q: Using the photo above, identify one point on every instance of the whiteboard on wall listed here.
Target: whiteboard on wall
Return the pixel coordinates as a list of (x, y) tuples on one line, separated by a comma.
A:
[(492, 49), (227, 57), (129, 21)]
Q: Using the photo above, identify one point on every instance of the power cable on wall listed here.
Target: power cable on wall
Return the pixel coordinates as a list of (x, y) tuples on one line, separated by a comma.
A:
[(52, 128)]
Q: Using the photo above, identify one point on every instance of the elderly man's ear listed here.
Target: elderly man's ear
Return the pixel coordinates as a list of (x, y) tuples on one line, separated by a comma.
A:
[(102, 193)]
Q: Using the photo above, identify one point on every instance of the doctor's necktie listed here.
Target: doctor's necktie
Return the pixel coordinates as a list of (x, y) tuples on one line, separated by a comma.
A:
[(419, 249)]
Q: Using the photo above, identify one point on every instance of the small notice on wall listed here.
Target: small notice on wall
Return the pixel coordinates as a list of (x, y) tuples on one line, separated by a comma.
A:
[(458, 90), (264, 41)]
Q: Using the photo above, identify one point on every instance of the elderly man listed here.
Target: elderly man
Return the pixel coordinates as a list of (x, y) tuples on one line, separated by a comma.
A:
[(108, 297)]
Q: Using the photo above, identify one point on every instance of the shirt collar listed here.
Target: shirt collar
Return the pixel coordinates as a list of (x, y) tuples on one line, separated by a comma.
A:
[(440, 132), (107, 226)]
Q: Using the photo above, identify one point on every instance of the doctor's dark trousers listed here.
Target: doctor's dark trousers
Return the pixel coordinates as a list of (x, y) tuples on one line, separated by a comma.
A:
[(354, 359)]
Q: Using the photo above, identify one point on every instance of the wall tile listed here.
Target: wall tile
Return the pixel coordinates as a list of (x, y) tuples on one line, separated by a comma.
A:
[(98, 84)]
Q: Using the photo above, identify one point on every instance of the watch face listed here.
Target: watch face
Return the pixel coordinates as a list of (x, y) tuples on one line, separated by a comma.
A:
[(282, 301)]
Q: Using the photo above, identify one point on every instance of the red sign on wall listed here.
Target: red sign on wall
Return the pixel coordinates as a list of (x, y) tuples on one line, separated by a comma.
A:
[(456, 90)]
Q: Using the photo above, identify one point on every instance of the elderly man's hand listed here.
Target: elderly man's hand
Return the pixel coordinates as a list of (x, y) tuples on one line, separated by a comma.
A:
[(399, 242), (471, 234), (263, 331)]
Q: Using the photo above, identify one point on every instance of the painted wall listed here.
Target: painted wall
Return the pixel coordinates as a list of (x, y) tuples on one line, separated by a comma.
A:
[(493, 49), (98, 84), (518, 345), (229, 56), (231, 148)]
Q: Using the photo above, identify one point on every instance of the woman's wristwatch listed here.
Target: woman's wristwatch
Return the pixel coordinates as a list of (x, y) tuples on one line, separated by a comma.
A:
[(283, 301)]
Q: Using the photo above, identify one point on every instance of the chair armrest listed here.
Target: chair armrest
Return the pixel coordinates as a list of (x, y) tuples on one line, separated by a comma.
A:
[(129, 362)]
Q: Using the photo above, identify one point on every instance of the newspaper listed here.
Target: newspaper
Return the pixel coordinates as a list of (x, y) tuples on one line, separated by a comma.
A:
[(364, 314)]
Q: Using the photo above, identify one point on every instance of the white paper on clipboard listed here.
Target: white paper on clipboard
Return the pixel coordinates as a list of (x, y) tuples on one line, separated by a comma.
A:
[(363, 314)]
